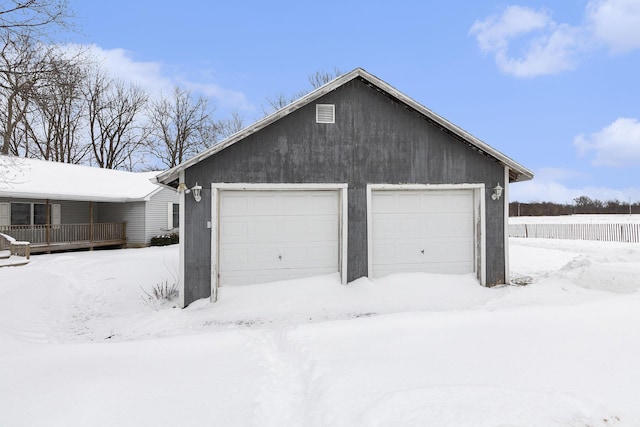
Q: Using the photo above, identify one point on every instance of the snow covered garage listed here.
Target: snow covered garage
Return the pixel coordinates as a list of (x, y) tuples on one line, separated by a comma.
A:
[(354, 178)]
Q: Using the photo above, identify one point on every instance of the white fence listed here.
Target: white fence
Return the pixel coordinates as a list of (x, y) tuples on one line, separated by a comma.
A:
[(603, 232)]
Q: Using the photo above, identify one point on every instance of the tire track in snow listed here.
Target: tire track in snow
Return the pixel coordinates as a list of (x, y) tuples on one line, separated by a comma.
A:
[(289, 389)]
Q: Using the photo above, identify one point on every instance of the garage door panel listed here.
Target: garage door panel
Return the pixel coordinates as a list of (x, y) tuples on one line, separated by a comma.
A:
[(407, 203), (383, 226), (448, 202), (326, 204), (322, 254), (261, 204), (292, 204), (278, 229), (324, 229), (440, 226), (233, 230), (276, 235), (422, 230), (235, 256), (238, 278), (235, 204)]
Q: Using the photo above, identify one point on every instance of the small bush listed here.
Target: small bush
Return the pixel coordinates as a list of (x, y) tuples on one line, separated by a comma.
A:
[(165, 239), (161, 292)]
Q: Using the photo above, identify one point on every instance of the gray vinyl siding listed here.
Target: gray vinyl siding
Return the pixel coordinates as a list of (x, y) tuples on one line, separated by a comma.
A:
[(75, 212), (133, 213), (157, 213), (375, 139)]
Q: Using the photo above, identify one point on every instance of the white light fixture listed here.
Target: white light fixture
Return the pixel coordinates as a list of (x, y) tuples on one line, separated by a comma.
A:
[(497, 192), (196, 189)]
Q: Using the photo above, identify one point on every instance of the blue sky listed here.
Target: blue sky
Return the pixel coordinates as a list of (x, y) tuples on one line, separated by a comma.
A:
[(555, 85)]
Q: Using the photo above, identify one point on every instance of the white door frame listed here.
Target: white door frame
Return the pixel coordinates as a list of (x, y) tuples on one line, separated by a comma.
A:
[(217, 187), (478, 213)]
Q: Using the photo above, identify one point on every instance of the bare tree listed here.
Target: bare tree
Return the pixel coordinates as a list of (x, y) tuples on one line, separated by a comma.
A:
[(34, 17), (115, 131), (276, 102), (23, 66), (320, 78), (54, 125), (232, 125), (316, 80), (180, 126)]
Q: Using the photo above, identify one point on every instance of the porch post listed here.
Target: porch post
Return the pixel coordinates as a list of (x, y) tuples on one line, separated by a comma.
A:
[(48, 221), (91, 224), (91, 221)]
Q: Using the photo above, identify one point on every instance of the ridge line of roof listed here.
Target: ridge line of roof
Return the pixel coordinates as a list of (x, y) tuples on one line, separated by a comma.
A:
[(169, 175)]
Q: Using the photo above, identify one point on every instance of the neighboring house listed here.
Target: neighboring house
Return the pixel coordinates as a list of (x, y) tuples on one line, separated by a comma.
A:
[(59, 206), (354, 178)]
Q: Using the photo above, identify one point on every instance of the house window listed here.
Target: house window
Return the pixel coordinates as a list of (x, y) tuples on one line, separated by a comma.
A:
[(173, 215), (20, 213), (176, 215), (39, 214), (33, 214)]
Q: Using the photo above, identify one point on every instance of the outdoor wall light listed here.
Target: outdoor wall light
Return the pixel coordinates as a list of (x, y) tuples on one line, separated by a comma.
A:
[(196, 189), (497, 192)]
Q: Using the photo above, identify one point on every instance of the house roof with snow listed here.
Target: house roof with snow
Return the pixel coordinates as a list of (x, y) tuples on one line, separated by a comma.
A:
[(40, 179), (517, 172)]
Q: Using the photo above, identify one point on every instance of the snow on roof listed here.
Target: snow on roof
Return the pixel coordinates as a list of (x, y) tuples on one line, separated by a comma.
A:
[(39, 179)]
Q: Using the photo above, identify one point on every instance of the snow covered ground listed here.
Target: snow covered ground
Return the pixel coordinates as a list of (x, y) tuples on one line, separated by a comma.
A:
[(80, 346)]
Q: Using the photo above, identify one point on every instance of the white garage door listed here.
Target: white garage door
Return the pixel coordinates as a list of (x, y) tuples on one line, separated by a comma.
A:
[(422, 230), (276, 235)]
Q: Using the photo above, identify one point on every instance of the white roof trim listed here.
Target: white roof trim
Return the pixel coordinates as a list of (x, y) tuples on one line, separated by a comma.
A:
[(522, 173)]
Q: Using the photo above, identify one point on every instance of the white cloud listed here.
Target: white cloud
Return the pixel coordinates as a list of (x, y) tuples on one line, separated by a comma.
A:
[(494, 33), (548, 186), (228, 97), (549, 54), (550, 48), (155, 77), (617, 145), (120, 64), (616, 23)]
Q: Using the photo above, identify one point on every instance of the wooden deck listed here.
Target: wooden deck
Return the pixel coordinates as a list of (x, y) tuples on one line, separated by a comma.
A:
[(64, 237)]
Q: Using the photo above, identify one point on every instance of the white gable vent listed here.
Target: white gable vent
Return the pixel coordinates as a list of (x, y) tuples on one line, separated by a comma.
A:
[(325, 113)]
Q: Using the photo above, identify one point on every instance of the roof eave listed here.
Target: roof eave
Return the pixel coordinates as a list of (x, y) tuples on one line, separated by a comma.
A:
[(70, 197)]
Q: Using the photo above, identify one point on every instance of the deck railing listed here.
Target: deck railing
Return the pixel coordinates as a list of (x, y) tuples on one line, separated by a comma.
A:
[(66, 233), (5, 243), (14, 246)]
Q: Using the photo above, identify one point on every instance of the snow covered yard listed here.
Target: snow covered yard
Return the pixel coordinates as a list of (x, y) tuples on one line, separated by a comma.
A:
[(80, 346)]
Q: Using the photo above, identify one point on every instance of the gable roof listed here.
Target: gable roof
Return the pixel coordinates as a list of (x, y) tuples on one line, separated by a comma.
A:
[(517, 172), (40, 179)]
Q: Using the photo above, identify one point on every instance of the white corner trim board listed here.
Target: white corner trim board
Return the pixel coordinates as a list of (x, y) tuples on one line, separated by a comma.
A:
[(182, 234), (268, 232), (505, 201), (426, 227)]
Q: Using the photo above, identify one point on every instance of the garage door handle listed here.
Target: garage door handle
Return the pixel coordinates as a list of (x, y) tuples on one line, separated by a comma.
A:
[(422, 252), (280, 257)]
